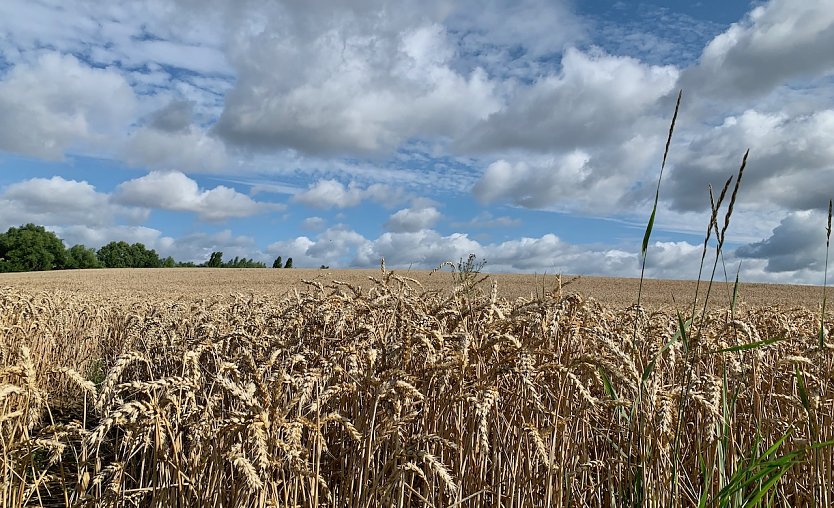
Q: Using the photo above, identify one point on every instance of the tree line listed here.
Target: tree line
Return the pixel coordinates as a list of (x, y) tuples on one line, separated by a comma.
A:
[(33, 248)]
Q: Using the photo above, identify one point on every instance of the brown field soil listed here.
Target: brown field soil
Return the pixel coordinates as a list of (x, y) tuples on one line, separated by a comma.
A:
[(200, 283)]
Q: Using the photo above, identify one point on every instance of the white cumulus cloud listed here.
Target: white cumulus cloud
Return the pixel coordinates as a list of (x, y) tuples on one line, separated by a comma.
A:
[(327, 194), (55, 201), (796, 244), (176, 191), (57, 103), (190, 149), (362, 79), (595, 99), (791, 162), (776, 42), (413, 219)]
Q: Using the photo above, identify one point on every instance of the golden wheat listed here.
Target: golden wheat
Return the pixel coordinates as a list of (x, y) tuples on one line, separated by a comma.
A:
[(394, 396)]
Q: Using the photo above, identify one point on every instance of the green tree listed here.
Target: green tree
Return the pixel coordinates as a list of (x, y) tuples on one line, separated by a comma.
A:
[(278, 263), (289, 263), (30, 248), (144, 257), (116, 255), (124, 255), (169, 262), (79, 256), (216, 260), (243, 263)]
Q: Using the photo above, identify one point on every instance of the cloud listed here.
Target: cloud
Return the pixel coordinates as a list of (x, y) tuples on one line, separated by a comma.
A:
[(326, 194), (198, 58), (494, 32), (344, 104), (791, 163), (181, 35), (296, 248), (427, 249), (658, 33), (531, 186), (175, 191), (58, 103), (313, 223), (550, 253), (411, 220), (776, 42), (797, 243), (175, 117), (485, 220), (594, 100), (422, 249), (677, 260), (577, 140), (329, 247), (56, 201), (189, 150), (361, 79), (547, 252), (589, 182), (197, 247), (96, 236), (270, 188)]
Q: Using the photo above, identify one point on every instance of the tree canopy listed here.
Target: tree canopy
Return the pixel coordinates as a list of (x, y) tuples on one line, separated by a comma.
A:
[(79, 256), (124, 255), (216, 261), (31, 248)]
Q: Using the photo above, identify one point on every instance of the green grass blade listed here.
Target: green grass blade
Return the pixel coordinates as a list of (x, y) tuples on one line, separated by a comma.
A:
[(683, 327), (747, 346), (803, 391), (755, 468), (606, 383), (769, 473), (775, 446), (616, 447), (823, 444), (649, 227), (702, 500), (764, 489)]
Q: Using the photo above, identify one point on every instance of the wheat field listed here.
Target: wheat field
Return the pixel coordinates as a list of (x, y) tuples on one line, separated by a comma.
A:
[(190, 284), (131, 390)]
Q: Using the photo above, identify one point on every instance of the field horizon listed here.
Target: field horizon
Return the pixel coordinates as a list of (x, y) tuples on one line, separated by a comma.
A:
[(197, 283)]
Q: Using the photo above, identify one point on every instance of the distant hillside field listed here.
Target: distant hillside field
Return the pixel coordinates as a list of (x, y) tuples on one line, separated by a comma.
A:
[(200, 283)]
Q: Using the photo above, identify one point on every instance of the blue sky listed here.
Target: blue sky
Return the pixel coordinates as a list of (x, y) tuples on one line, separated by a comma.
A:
[(527, 132)]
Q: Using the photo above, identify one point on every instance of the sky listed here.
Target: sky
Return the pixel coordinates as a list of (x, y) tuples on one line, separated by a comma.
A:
[(335, 132)]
